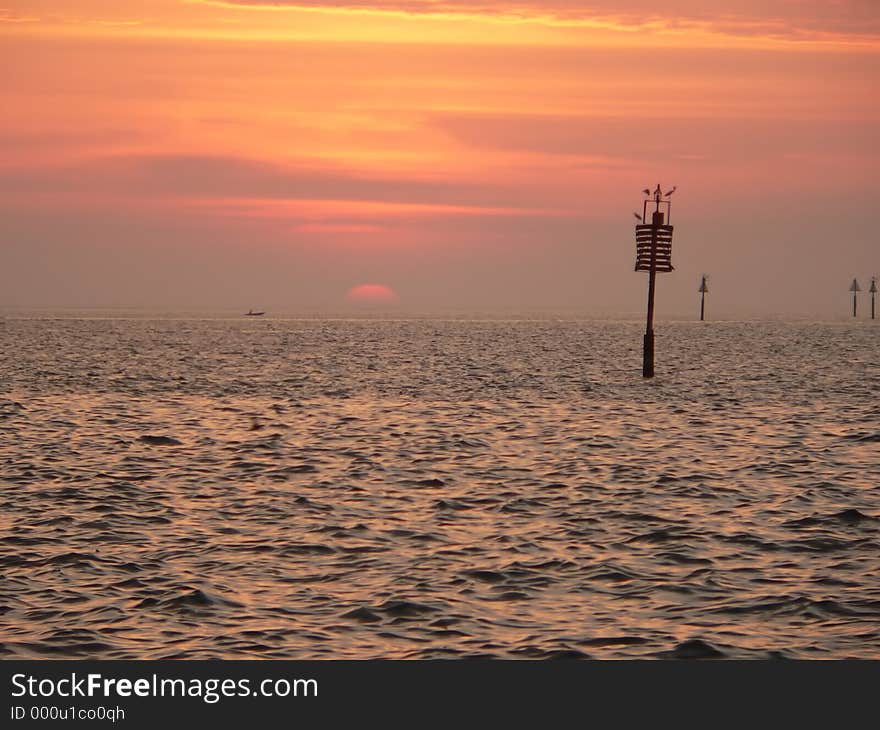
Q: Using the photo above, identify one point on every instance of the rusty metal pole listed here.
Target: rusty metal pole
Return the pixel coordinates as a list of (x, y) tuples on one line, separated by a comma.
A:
[(648, 349)]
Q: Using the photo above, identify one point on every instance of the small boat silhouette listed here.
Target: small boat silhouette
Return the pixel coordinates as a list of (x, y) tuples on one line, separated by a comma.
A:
[(252, 313)]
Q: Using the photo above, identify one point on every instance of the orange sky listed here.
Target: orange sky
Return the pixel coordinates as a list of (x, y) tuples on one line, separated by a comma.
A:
[(471, 155)]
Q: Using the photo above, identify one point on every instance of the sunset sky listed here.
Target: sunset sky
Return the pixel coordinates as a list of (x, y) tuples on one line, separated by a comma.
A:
[(475, 156)]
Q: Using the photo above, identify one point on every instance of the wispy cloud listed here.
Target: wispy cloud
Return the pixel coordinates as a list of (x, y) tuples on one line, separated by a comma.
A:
[(678, 23), (805, 19), (10, 16), (195, 178)]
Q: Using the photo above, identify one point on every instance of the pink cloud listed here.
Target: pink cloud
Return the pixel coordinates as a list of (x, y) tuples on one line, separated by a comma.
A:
[(759, 17)]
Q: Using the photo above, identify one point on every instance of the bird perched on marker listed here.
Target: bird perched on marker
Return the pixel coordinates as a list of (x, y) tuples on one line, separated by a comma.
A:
[(674, 188)]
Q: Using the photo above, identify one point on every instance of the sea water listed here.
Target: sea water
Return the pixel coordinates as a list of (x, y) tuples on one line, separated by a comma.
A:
[(423, 488)]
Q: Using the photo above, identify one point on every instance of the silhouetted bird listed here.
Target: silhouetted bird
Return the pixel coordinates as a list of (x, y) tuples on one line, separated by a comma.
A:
[(674, 188), (646, 191)]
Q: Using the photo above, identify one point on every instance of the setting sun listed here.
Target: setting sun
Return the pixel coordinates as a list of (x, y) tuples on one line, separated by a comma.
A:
[(372, 294)]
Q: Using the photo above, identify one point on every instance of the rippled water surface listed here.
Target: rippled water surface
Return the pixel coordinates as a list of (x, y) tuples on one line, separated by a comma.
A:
[(421, 489)]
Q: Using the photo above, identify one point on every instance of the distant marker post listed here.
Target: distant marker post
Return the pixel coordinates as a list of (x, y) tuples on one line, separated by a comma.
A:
[(873, 291), (704, 289), (855, 289), (653, 254)]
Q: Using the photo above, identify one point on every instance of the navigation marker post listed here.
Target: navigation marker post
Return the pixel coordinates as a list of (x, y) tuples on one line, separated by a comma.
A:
[(653, 254), (704, 289), (873, 291), (855, 289)]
